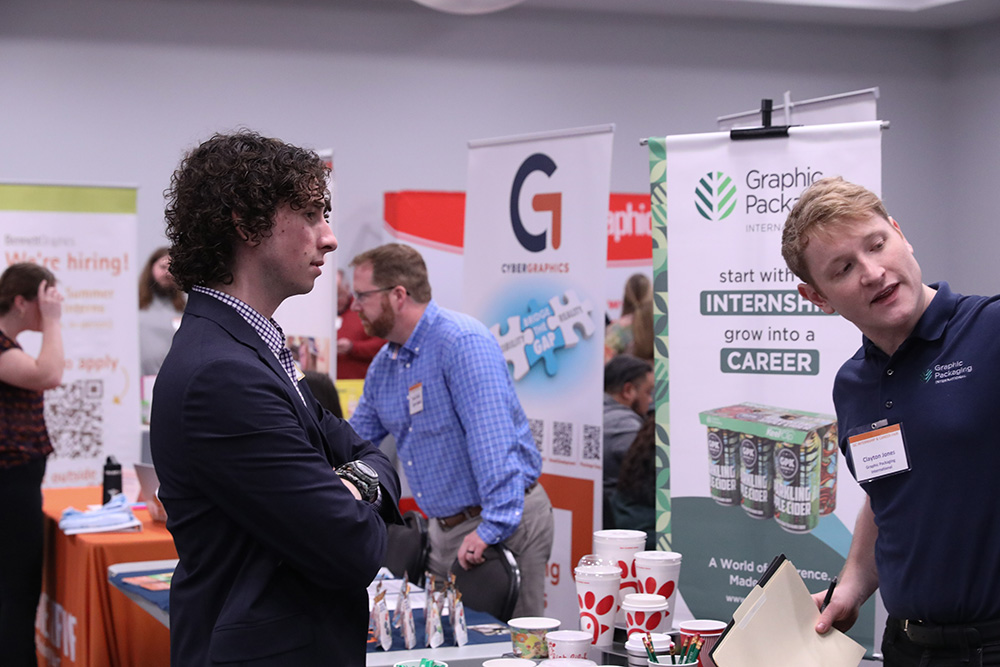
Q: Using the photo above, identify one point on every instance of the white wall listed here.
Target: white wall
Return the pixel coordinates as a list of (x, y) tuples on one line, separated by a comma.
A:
[(113, 91), (973, 123)]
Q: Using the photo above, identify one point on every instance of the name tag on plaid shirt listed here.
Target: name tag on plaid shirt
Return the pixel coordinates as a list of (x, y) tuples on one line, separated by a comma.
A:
[(416, 398)]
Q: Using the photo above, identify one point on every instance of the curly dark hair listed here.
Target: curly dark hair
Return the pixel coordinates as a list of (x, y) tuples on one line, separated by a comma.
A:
[(637, 477), (226, 191)]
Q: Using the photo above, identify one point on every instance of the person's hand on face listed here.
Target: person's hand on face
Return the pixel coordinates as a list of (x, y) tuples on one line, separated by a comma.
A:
[(49, 301)]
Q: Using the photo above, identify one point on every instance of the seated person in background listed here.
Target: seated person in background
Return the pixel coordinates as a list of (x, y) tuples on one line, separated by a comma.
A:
[(628, 395), (161, 304), (355, 347), (618, 336), (325, 391), (633, 502)]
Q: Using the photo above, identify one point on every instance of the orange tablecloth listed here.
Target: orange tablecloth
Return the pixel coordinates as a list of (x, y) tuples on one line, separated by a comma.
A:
[(83, 620)]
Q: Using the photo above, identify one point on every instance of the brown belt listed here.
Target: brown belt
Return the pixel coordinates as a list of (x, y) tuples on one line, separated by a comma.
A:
[(472, 512)]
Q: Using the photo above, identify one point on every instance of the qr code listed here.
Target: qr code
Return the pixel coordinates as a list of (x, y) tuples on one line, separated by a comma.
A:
[(75, 419), (537, 427), (592, 445), (562, 439)]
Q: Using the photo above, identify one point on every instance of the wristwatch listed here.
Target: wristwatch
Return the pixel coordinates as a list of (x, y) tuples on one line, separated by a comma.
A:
[(363, 477)]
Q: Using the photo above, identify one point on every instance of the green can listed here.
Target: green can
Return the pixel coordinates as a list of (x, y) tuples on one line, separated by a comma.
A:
[(723, 461), (757, 476), (796, 484)]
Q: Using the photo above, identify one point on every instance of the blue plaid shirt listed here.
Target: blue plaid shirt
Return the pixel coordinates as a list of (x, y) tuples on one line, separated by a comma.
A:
[(470, 443)]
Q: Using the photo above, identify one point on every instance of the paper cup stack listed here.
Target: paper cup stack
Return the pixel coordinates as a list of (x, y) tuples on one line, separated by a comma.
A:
[(621, 546)]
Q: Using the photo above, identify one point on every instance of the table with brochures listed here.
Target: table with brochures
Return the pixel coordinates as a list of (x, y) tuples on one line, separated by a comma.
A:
[(82, 620)]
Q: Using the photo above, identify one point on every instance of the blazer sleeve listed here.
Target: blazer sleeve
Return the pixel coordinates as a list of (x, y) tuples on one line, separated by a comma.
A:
[(346, 445), (250, 453)]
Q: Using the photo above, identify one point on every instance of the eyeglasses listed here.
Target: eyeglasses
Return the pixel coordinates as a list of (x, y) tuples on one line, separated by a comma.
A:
[(358, 296)]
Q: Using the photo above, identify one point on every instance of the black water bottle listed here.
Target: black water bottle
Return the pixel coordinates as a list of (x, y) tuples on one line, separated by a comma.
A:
[(112, 478)]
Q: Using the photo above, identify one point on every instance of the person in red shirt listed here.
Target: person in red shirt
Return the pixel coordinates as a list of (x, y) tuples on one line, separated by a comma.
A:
[(355, 348)]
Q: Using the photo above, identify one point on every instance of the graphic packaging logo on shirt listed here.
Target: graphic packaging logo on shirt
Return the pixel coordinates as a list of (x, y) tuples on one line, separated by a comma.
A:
[(528, 339)]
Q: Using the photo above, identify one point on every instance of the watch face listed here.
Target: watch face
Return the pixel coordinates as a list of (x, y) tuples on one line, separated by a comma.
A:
[(366, 469)]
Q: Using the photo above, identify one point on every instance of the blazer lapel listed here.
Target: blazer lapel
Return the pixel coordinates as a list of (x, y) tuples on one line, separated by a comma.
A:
[(204, 305)]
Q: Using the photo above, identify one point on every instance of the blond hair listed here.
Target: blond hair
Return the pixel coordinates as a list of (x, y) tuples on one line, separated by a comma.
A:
[(823, 205)]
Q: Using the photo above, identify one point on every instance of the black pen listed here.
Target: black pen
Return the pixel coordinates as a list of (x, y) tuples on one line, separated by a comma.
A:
[(829, 594)]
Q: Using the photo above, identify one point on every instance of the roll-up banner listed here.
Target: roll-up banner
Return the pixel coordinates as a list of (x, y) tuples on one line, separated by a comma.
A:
[(754, 467), (535, 256), (435, 221), (87, 237)]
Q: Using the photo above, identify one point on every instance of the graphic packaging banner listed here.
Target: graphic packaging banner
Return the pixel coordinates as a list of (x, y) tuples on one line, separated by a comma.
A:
[(535, 253), (754, 460)]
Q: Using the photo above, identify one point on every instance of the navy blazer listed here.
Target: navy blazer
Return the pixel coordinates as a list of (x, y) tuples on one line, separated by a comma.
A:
[(275, 553)]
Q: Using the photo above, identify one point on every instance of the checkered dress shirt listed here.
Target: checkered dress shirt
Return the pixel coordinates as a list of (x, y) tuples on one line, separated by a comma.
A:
[(470, 443)]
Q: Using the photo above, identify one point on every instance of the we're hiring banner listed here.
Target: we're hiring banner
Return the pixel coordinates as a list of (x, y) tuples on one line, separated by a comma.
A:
[(87, 237), (754, 464), (535, 254)]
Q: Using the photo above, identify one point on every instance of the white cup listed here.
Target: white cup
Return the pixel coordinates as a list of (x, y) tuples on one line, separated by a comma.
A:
[(509, 662), (637, 656), (644, 612), (568, 644), (621, 546), (708, 630), (659, 572), (597, 584)]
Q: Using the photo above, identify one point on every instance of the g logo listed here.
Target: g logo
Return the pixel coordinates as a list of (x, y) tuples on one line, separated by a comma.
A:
[(550, 201)]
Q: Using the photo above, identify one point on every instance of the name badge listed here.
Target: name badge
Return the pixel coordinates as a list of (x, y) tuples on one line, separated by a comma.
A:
[(879, 453), (416, 398)]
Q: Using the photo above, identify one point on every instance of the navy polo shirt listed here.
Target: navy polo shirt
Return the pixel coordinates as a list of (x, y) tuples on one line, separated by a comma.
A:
[(938, 546)]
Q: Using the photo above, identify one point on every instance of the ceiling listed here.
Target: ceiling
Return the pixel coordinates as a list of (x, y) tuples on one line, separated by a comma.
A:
[(924, 14)]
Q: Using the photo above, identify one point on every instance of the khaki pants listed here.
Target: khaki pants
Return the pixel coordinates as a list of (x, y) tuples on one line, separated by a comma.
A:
[(531, 544)]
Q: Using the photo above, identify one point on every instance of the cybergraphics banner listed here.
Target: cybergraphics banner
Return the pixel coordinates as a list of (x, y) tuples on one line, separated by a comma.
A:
[(434, 221), (753, 458), (534, 267), (87, 237)]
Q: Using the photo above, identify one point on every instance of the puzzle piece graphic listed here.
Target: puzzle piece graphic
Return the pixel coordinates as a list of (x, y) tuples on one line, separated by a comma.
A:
[(546, 340), (568, 313), (513, 344)]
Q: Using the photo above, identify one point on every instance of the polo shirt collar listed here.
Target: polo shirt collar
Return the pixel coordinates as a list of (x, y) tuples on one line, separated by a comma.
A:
[(932, 323)]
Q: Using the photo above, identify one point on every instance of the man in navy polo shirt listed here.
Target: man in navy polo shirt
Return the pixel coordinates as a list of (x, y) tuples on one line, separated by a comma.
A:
[(915, 409)]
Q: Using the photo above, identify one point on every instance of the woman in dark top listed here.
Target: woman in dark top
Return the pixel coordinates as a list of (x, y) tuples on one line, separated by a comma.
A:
[(633, 502), (29, 301)]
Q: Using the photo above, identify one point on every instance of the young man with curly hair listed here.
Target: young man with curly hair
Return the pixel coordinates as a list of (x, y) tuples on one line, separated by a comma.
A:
[(277, 508)]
